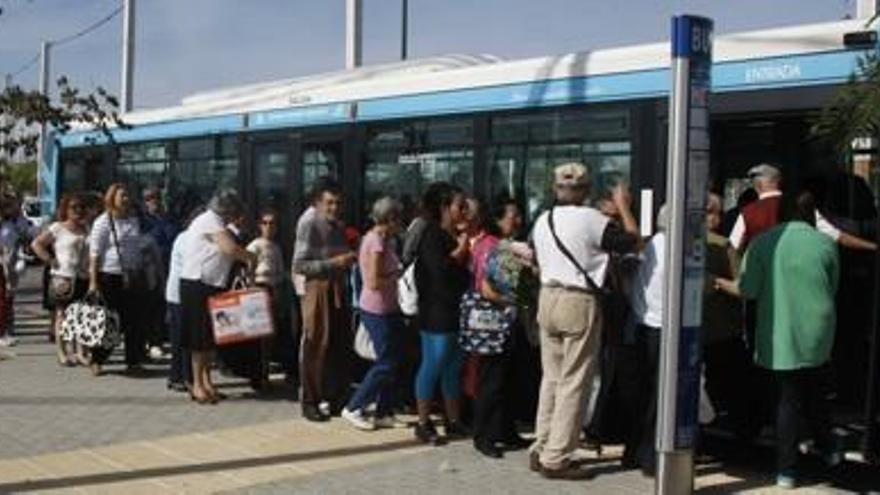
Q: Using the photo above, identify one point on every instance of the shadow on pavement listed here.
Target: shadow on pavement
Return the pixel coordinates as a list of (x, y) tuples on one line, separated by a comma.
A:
[(209, 467)]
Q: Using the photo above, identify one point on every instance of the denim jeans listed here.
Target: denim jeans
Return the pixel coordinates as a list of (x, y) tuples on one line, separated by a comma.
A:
[(386, 332), (181, 359)]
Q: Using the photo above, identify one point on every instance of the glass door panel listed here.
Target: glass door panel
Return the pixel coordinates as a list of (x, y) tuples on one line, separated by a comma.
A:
[(271, 173)]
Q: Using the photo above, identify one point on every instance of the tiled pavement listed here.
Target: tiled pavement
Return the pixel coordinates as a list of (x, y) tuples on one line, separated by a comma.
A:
[(63, 431), (47, 408)]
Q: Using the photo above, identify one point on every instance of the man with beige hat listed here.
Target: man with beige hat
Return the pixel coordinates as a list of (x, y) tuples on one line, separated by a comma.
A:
[(572, 242)]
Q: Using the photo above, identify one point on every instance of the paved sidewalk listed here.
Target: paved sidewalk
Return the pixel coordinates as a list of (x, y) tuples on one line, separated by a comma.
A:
[(457, 469), (63, 431), (206, 462), (48, 408)]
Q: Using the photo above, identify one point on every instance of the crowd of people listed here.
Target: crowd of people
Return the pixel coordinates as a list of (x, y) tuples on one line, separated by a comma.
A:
[(559, 326)]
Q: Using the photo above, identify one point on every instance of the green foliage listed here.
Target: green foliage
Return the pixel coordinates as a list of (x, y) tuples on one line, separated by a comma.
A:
[(22, 177), (854, 111), (23, 111)]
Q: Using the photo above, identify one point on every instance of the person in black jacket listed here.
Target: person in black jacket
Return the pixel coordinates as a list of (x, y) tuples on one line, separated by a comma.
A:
[(441, 279)]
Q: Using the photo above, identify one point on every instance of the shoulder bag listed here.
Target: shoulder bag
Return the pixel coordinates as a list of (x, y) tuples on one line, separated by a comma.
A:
[(132, 279), (594, 287), (485, 327)]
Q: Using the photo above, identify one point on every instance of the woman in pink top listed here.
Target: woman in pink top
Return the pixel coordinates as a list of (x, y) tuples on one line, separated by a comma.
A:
[(380, 270), (494, 427)]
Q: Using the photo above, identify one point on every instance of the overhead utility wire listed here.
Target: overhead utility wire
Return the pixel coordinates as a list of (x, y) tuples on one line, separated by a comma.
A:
[(30, 63), (67, 39), (89, 29)]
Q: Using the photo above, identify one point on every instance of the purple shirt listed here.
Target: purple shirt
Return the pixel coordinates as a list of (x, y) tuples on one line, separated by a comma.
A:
[(384, 300)]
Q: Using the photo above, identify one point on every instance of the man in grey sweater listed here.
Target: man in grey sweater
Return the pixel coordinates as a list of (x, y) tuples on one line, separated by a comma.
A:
[(322, 256)]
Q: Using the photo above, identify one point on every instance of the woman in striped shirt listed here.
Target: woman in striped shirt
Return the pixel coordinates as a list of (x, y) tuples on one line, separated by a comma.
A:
[(116, 272)]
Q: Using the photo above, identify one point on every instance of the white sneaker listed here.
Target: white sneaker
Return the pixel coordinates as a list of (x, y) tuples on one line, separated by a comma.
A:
[(156, 353), (390, 421), (324, 408), (357, 419), (8, 341)]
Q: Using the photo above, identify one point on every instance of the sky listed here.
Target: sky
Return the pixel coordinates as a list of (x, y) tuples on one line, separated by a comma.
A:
[(187, 46)]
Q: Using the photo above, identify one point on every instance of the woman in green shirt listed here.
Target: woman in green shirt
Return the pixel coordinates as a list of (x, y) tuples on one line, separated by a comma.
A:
[(792, 273)]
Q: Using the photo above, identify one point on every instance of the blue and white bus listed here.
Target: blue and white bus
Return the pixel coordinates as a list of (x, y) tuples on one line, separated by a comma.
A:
[(489, 125), (486, 124)]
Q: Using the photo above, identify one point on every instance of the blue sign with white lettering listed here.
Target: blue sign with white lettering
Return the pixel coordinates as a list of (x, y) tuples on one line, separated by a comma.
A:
[(692, 43)]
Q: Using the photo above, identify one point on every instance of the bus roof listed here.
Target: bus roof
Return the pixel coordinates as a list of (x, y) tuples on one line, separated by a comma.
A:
[(783, 57)]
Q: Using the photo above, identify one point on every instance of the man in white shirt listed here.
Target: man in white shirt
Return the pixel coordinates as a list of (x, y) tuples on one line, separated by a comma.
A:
[(572, 243), (763, 214)]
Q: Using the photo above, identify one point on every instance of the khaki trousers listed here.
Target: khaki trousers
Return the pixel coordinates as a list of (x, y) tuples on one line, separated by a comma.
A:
[(571, 324), (325, 330)]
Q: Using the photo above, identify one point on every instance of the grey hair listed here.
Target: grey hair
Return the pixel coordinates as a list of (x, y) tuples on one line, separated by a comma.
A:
[(663, 218), (225, 203), (386, 209)]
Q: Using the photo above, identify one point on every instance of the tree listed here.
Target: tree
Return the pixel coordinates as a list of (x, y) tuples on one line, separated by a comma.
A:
[(854, 111), (22, 177), (23, 112)]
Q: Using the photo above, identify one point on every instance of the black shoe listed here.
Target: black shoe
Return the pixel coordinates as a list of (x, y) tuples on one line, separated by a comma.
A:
[(426, 433), (260, 385), (516, 442), (488, 450), (312, 413), (456, 431)]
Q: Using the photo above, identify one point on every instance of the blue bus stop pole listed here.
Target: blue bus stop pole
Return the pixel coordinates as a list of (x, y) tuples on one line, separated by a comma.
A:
[(686, 187)]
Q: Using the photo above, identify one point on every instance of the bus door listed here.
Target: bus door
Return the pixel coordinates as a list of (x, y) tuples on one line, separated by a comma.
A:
[(315, 159), (272, 177)]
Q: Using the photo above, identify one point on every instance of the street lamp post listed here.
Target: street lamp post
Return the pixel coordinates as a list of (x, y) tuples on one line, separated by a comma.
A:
[(128, 34), (353, 33), (44, 89), (404, 28)]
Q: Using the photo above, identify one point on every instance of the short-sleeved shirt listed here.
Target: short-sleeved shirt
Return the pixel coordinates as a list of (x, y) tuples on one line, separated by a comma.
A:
[(71, 252), (792, 271), (127, 242), (270, 265), (479, 255), (202, 260), (384, 300), (175, 266), (650, 283), (580, 228)]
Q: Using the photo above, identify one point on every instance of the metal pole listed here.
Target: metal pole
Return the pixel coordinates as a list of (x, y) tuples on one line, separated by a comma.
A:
[(128, 35), (866, 9), (404, 29), (44, 89), (674, 468), (353, 38), (686, 186)]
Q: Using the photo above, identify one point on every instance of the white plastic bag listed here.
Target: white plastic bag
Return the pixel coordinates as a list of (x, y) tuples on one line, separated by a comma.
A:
[(363, 344), (407, 293)]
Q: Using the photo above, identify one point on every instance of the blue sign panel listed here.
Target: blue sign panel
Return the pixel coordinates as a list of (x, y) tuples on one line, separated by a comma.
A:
[(301, 116)]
